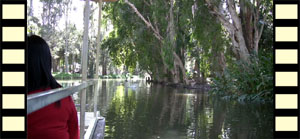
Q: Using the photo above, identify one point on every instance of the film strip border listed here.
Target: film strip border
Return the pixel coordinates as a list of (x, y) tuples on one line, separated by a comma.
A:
[(13, 76), (286, 68)]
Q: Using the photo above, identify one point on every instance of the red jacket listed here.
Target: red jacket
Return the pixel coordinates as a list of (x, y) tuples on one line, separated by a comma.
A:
[(54, 122)]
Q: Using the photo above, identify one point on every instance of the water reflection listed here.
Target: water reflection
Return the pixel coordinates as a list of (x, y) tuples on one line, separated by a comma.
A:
[(137, 110)]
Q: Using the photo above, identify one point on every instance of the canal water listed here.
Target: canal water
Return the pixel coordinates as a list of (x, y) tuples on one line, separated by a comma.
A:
[(137, 110)]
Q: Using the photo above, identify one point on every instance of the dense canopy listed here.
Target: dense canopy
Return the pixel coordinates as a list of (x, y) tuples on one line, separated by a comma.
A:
[(224, 43)]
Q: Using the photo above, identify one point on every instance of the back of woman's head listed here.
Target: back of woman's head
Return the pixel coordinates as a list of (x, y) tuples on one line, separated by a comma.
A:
[(39, 65)]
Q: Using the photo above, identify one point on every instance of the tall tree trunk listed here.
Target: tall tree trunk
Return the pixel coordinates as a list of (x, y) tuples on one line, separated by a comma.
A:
[(73, 63), (196, 74), (66, 55), (156, 75), (203, 78), (250, 17), (234, 28), (178, 64), (67, 40), (43, 20), (247, 25), (244, 28), (175, 72), (104, 62), (98, 40), (238, 37), (53, 64), (181, 67)]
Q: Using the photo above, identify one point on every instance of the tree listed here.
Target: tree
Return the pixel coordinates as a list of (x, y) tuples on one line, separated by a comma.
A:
[(67, 5), (165, 32), (244, 22), (52, 12)]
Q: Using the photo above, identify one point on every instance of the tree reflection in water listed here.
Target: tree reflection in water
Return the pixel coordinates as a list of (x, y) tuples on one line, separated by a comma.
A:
[(136, 110)]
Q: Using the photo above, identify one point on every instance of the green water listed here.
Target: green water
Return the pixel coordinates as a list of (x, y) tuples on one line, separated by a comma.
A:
[(136, 110)]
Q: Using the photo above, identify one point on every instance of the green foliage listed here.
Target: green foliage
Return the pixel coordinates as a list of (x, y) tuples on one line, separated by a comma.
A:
[(208, 40), (66, 76), (244, 81), (197, 35), (131, 42)]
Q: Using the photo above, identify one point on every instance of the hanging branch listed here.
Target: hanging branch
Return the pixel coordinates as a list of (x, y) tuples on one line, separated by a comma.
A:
[(148, 23)]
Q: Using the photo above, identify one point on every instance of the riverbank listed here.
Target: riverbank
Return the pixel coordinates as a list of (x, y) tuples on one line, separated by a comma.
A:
[(198, 86), (241, 97)]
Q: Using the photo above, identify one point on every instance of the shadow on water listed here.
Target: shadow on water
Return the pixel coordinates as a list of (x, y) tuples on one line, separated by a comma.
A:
[(136, 110)]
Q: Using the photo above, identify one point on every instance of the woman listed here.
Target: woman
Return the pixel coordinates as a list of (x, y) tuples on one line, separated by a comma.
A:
[(57, 120)]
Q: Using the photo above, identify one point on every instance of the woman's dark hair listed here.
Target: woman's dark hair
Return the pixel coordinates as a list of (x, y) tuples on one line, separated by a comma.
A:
[(39, 65)]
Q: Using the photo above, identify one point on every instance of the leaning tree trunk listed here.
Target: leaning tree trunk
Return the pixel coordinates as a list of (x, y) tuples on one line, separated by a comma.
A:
[(174, 71), (238, 37), (178, 64), (181, 67), (234, 28), (244, 28), (177, 61)]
